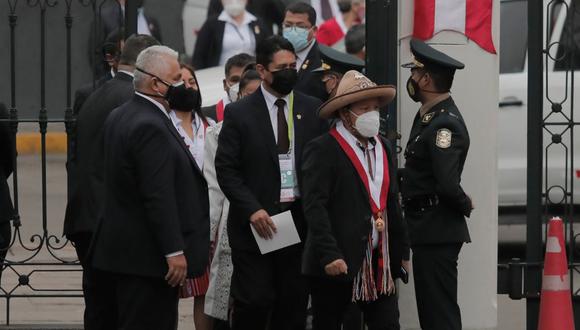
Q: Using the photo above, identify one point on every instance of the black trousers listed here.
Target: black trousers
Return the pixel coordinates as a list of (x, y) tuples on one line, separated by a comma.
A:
[(5, 238), (331, 300), (129, 302), (269, 291), (435, 274), (82, 242)]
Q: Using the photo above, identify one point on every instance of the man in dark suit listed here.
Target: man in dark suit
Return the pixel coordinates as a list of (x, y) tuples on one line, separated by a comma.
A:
[(154, 230), (86, 173), (7, 160), (111, 50), (255, 143), (86, 197), (111, 17), (300, 29), (234, 69), (357, 240), (434, 201)]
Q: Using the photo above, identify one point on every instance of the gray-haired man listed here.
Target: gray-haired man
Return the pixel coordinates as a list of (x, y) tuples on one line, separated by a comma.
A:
[(155, 226)]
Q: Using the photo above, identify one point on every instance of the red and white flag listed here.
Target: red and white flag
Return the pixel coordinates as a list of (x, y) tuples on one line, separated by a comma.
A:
[(470, 17)]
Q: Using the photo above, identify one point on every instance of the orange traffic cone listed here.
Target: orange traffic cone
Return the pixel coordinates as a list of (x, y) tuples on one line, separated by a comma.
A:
[(556, 300)]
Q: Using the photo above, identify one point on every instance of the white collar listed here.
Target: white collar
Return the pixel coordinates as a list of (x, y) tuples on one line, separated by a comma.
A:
[(196, 120), (248, 18), (303, 54), (113, 73), (127, 72), (352, 140), (271, 98), (159, 105)]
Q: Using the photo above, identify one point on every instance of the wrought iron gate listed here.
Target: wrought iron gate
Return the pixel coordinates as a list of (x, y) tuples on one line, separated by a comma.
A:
[(552, 169), (41, 254)]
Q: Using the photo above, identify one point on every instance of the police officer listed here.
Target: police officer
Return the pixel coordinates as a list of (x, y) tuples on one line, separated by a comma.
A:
[(334, 65), (434, 202)]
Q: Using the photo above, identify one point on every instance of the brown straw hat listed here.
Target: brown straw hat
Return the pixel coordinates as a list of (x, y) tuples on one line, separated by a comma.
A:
[(355, 87)]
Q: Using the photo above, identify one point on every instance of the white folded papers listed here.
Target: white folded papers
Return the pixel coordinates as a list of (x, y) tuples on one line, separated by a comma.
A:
[(286, 234)]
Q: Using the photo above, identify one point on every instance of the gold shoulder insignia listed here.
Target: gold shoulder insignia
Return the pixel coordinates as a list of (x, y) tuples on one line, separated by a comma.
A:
[(427, 117), (256, 29), (443, 139), (305, 65)]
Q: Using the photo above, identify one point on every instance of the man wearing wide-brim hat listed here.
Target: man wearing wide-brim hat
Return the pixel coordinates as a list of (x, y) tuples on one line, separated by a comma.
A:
[(357, 240), (434, 202)]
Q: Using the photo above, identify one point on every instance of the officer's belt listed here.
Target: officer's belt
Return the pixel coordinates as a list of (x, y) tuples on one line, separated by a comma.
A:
[(420, 203)]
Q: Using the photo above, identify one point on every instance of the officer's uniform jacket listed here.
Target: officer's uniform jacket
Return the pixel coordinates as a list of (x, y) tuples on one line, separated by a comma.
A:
[(434, 201)]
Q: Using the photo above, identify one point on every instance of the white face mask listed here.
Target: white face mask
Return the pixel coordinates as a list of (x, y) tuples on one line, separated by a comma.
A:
[(235, 8), (233, 92), (368, 123)]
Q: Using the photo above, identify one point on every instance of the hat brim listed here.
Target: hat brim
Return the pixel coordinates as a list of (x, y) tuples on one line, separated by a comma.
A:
[(410, 65), (384, 93)]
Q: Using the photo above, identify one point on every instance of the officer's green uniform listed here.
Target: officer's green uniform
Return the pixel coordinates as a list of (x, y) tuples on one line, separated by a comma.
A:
[(434, 202)]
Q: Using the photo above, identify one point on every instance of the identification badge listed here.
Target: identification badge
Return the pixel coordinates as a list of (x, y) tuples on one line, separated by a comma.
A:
[(287, 183)]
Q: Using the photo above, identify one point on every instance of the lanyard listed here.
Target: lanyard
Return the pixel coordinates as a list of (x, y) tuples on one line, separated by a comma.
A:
[(291, 120)]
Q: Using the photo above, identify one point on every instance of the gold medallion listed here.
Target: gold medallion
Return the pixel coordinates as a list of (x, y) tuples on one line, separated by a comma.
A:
[(380, 224)]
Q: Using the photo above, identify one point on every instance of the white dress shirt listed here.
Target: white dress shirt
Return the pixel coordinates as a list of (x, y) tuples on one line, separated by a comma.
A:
[(237, 38), (195, 146), (142, 24), (273, 112), (376, 175)]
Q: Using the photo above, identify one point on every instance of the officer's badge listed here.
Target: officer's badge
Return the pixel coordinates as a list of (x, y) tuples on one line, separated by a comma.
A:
[(443, 139), (257, 30), (427, 118), (305, 65)]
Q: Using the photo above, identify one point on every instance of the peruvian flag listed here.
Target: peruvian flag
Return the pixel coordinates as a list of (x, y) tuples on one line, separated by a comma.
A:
[(470, 17)]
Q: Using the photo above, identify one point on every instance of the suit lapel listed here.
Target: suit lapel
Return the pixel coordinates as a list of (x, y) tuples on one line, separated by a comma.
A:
[(311, 62), (264, 123), (179, 139), (298, 116)]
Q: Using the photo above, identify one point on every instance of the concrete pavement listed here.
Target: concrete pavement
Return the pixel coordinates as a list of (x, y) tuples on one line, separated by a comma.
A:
[(68, 311)]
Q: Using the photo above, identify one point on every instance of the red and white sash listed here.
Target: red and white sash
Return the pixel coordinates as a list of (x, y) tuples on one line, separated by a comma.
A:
[(367, 286)]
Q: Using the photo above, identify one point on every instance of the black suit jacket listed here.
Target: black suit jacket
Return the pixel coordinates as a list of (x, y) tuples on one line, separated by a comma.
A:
[(247, 165), (8, 156), (83, 93), (337, 210), (309, 82), (436, 170), (208, 46), (156, 197), (271, 12), (86, 167)]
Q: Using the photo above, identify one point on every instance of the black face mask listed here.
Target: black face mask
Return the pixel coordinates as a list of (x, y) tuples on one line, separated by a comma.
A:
[(284, 80), (179, 97), (413, 89), (183, 99)]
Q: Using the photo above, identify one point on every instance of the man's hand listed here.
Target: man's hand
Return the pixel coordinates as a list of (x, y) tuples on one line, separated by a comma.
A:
[(263, 224), (177, 270), (336, 268)]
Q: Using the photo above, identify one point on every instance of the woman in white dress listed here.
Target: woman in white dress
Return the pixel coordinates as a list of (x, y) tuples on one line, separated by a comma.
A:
[(217, 299), (192, 126)]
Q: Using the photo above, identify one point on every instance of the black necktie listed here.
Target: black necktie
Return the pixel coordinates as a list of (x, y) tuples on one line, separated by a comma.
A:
[(283, 141)]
